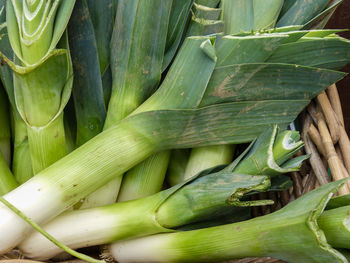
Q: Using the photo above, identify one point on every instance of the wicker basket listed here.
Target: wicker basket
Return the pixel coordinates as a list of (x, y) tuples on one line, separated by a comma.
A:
[(327, 143)]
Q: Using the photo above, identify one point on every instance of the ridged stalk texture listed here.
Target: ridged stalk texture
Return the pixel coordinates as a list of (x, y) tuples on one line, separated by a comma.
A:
[(42, 74), (162, 212), (137, 49), (302, 239)]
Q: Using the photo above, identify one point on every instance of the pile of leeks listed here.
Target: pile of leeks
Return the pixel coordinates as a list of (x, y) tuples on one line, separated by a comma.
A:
[(120, 119)]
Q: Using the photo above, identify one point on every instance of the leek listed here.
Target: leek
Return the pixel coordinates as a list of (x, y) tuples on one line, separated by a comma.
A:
[(296, 12), (204, 21), (177, 24), (158, 213), (302, 239), (122, 146), (43, 74), (137, 49), (211, 156), (7, 180), (335, 224), (87, 86), (177, 166), (163, 212), (251, 50), (147, 178), (21, 161), (119, 148), (167, 120)]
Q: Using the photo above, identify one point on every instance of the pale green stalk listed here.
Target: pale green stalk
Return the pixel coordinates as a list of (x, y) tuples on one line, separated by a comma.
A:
[(145, 179), (290, 234), (336, 225), (121, 147), (42, 74), (22, 163), (203, 158), (7, 180), (177, 166), (161, 212), (179, 206), (47, 144), (137, 50)]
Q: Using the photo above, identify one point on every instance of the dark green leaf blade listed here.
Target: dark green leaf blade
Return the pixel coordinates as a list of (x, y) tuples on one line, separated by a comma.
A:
[(102, 14), (299, 12), (87, 90), (329, 52), (267, 81)]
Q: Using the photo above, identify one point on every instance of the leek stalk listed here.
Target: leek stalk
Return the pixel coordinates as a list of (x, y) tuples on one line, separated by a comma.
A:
[(302, 239), (163, 212), (335, 224), (176, 28), (201, 159), (136, 137), (21, 161), (87, 91), (177, 166), (43, 74), (137, 49), (121, 147), (7, 180), (137, 181), (150, 215)]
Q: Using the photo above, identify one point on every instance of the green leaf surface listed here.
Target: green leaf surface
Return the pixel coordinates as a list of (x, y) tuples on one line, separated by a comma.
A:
[(264, 159), (102, 14), (321, 19), (177, 24), (328, 52), (187, 79), (236, 122), (250, 49), (204, 21), (299, 12), (87, 91), (247, 15), (137, 49), (267, 81)]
